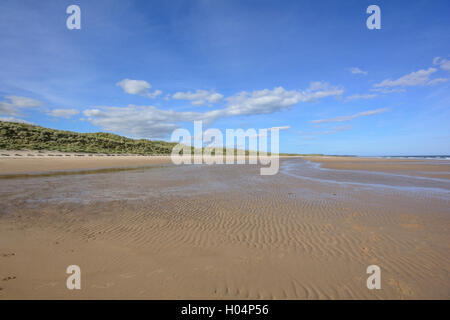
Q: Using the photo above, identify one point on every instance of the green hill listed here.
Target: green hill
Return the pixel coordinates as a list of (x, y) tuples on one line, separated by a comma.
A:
[(19, 136)]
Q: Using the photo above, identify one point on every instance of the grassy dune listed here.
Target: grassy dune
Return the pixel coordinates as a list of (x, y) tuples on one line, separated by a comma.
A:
[(19, 136)]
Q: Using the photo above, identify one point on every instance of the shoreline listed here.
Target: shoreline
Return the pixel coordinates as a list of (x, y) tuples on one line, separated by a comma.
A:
[(22, 162), (28, 162)]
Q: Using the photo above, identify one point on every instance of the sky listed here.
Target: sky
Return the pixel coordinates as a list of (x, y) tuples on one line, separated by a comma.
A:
[(311, 68)]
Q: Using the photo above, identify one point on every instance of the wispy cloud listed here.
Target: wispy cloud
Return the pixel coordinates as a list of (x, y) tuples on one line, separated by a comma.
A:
[(417, 78), (332, 130), (279, 128), (356, 70), (267, 130), (139, 87), (268, 101), (199, 97), (360, 96), (443, 63), (23, 102), (12, 119), (353, 116), (387, 90), (337, 129), (312, 135), (16, 103), (63, 113)]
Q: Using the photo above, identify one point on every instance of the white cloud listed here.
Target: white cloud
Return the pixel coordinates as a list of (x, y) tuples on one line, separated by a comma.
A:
[(337, 129), (8, 109), (356, 70), (360, 96), (23, 102), (280, 128), (154, 94), (143, 121), (443, 63), (139, 87), (417, 78), (351, 117), (12, 119), (199, 97), (387, 90), (63, 113), (436, 81), (151, 122), (13, 107), (134, 86), (266, 133), (268, 101)]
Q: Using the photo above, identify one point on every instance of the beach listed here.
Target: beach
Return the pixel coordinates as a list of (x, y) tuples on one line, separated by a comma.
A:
[(147, 229), (33, 162)]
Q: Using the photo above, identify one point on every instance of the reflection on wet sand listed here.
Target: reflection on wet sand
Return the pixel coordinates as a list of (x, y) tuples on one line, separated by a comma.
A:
[(73, 172)]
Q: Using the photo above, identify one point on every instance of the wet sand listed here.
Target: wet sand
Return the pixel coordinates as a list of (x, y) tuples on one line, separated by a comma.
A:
[(226, 232), (419, 167)]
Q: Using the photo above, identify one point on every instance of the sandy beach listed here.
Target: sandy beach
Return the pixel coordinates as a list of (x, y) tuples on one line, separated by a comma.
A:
[(161, 231), (32, 162)]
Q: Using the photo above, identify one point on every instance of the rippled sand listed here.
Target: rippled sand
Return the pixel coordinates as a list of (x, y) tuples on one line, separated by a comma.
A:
[(226, 232)]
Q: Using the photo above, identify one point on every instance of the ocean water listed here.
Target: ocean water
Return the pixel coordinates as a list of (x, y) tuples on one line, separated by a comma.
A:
[(307, 170)]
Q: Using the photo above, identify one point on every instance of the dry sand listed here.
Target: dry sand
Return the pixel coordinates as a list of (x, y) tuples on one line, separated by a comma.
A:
[(218, 232), (17, 163), (21, 162)]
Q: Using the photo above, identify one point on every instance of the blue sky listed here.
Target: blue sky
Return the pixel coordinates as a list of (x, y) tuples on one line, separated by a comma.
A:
[(144, 68)]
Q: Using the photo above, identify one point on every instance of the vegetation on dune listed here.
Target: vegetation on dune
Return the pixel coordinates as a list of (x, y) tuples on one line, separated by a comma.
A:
[(20, 136)]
